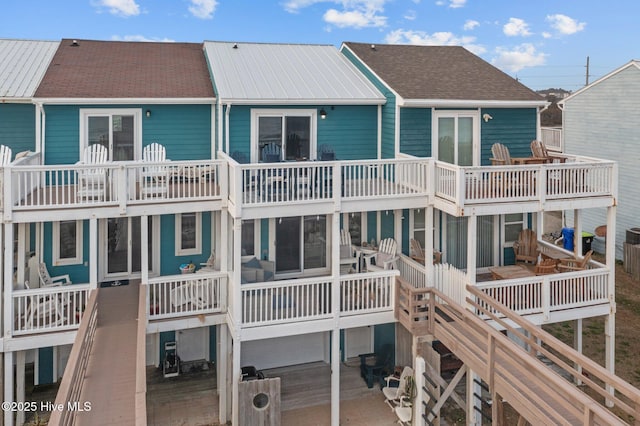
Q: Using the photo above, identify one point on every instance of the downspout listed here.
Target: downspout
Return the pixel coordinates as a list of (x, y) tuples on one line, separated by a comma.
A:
[(40, 126), (220, 126), (214, 152), (379, 131)]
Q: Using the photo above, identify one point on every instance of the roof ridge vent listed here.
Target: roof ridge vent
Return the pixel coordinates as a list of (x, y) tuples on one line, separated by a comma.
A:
[(75, 43)]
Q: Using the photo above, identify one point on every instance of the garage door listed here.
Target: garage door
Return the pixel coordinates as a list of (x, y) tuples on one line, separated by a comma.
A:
[(283, 351)]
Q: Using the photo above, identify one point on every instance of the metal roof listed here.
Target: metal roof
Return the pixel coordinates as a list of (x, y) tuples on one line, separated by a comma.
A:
[(22, 65), (287, 74)]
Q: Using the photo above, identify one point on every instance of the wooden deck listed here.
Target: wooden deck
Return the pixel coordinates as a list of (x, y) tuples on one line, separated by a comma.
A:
[(110, 380)]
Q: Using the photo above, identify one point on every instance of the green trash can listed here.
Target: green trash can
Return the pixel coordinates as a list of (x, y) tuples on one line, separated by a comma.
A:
[(587, 239)]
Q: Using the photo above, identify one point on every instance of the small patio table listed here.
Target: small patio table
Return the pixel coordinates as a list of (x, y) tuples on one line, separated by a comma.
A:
[(510, 272)]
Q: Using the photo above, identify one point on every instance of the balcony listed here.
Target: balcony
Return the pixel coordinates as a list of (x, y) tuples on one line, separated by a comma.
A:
[(580, 182), (120, 187)]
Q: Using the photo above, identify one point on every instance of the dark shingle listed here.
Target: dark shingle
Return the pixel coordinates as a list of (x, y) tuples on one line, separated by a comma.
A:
[(113, 69), (440, 72)]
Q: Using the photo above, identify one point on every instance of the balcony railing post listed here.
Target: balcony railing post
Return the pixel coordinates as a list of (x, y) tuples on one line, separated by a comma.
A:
[(7, 191), (460, 188), (546, 298), (122, 182)]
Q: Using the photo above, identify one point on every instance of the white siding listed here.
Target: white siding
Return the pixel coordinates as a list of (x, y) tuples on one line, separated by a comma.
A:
[(603, 121)]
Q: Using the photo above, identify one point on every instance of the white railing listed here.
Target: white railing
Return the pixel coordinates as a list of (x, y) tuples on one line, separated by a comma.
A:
[(188, 294), (286, 301), (384, 178), (552, 138), (447, 279), (550, 293), (116, 183), (273, 183), (368, 292), (49, 309), (578, 177)]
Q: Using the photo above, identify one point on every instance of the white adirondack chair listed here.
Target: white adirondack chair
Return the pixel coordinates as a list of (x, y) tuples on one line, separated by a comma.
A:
[(392, 395), (47, 280), (93, 181), (348, 254), (5, 155), (385, 258), (154, 178)]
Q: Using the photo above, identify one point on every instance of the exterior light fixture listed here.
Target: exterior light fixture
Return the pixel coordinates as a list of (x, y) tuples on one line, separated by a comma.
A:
[(323, 113), (148, 113), (486, 117)]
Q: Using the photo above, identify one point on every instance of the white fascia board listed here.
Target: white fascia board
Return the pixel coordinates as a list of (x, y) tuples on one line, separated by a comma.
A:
[(40, 340), (122, 101), (227, 101), (9, 100), (453, 103)]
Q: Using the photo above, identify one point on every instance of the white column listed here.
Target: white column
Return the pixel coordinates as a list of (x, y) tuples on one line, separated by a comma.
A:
[(577, 233), (610, 321), (335, 377), (8, 386), (8, 280), (428, 245), (473, 416), (22, 242), (472, 235), (20, 384), (93, 253), (221, 365), (577, 345), (235, 415), (397, 228), (144, 254)]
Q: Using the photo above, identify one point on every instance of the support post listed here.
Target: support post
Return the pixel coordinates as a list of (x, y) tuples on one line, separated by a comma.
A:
[(335, 309), (93, 253), (20, 361), (473, 402), (221, 372), (144, 254), (8, 387), (577, 345), (335, 377), (235, 406)]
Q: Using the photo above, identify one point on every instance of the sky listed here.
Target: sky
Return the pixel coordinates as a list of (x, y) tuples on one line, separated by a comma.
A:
[(542, 43)]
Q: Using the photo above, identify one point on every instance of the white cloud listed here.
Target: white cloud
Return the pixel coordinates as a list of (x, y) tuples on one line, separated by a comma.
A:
[(436, 39), (121, 7), (564, 24), (516, 27), (520, 57), (141, 38), (455, 4), (203, 9), (353, 19), (470, 24), (410, 15), (546, 34), (353, 13)]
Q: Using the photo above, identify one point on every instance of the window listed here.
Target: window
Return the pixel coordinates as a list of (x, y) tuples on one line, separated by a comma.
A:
[(291, 131), (248, 238), (456, 135), (67, 242), (118, 130), (513, 224), (417, 226), (188, 234), (301, 245)]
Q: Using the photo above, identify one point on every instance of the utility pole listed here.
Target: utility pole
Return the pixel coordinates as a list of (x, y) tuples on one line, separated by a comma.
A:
[(587, 74)]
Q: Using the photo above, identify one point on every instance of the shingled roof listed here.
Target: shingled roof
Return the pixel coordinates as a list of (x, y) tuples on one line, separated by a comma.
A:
[(115, 69), (440, 72)]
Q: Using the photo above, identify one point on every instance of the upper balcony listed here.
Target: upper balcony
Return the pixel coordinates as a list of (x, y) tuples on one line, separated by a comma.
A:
[(261, 190), (579, 182), (111, 189)]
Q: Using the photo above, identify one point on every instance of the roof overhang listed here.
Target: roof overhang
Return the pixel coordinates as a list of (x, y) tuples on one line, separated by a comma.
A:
[(124, 101), (469, 103), (632, 63), (302, 101), (10, 100)]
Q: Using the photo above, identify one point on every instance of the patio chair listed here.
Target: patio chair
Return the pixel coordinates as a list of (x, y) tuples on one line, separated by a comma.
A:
[(348, 253), (240, 157), (526, 248), (44, 311), (385, 258), (539, 150), (574, 264), (502, 157), (271, 153), (154, 179), (404, 411), (47, 280), (545, 266), (93, 181), (5, 155), (417, 252), (376, 365), (326, 153), (392, 395)]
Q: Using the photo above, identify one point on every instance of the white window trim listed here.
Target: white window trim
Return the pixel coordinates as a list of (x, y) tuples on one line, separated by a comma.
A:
[(523, 221), (474, 114), (198, 248), (313, 123), (55, 252), (85, 113)]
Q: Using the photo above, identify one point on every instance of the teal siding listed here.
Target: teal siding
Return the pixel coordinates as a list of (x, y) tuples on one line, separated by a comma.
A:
[(388, 109), (384, 334), (405, 232), (45, 365), (515, 128), (185, 131), (165, 336), (78, 273), (212, 344), (350, 129), (415, 131), (169, 262), (18, 127)]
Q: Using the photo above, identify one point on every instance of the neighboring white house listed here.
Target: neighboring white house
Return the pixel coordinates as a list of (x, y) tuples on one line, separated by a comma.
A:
[(603, 120)]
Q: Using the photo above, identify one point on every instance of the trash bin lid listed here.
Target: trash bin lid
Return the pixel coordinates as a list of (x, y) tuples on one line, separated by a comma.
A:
[(586, 234)]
